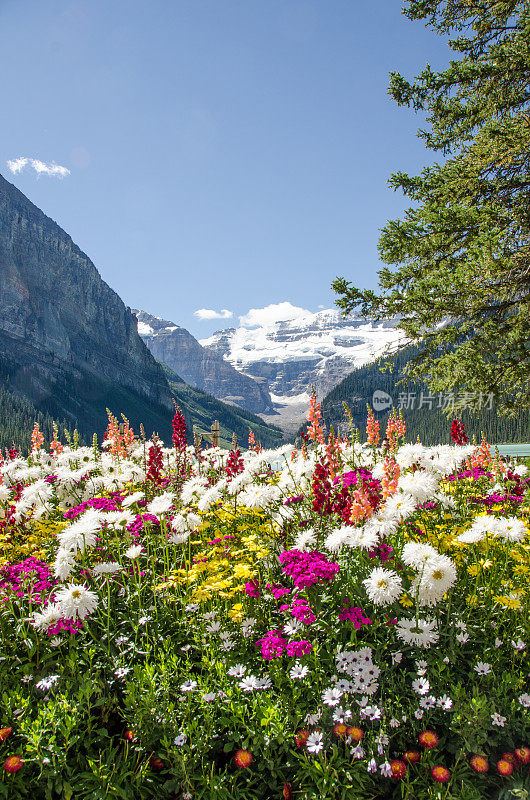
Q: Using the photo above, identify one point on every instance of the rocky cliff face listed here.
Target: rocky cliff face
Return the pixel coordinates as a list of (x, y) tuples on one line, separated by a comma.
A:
[(200, 367), (317, 349), (61, 326)]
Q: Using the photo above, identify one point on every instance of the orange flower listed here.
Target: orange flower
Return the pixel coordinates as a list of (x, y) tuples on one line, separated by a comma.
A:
[(156, 763), (13, 764), (389, 481), (340, 730), (522, 753), (479, 764), (300, 738), (37, 440), (129, 735), (428, 739), (287, 791), (440, 774), (243, 758), (356, 734), (314, 431), (504, 767), (399, 769), (5, 733), (372, 428), (509, 757), (412, 756)]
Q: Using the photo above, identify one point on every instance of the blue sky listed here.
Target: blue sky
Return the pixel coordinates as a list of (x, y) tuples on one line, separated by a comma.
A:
[(222, 154)]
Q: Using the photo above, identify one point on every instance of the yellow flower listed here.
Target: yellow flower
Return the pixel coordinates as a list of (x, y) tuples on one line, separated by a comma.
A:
[(406, 601), (512, 603)]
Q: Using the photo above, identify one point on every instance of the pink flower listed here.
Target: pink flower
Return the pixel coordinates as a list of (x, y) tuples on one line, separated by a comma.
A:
[(272, 645), (299, 648), (252, 588), (307, 568)]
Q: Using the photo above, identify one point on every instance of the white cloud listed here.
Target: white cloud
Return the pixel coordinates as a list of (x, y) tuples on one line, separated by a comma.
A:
[(275, 312), (16, 165), (209, 313)]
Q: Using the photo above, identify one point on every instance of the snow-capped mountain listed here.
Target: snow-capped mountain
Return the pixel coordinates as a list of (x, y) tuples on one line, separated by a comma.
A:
[(301, 348), (205, 369)]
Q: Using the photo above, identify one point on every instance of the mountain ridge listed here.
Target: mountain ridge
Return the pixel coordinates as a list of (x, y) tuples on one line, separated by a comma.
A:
[(180, 350)]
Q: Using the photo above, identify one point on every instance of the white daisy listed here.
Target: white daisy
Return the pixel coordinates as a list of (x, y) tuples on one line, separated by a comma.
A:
[(421, 686), (298, 671), (237, 671), (331, 697), (314, 742)]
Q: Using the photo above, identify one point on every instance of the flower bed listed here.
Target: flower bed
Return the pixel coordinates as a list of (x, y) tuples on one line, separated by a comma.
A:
[(350, 624)]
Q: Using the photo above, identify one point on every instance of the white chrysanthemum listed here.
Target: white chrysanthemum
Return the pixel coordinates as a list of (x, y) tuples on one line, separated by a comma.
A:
[(75, 601), (305, 540), (42, 620), (161, 504), (383, 586), (481, 526), (81, 533), (134, 551), (436, 578), (399, 507), (209, 498), (410, 454), (178, 523), (118, 519), (366, 537), (192, 489), (36, 493), (132, 498), (420, 485), (421, 632), (239, 482), (520, 470), (512, 529), (338, 539), (63, 564), (193, 520), (179, 538), (416, 554), (106, 568)]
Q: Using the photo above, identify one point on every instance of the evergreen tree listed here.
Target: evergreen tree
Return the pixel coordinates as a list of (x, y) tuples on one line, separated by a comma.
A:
[(460, 285)]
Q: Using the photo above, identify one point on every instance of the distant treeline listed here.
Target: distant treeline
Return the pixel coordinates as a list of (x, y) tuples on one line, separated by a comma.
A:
[(17, 419), (431, 424)]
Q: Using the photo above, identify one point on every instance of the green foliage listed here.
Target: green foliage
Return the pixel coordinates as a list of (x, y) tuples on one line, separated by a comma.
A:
[(431, 425), (461, 283)]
